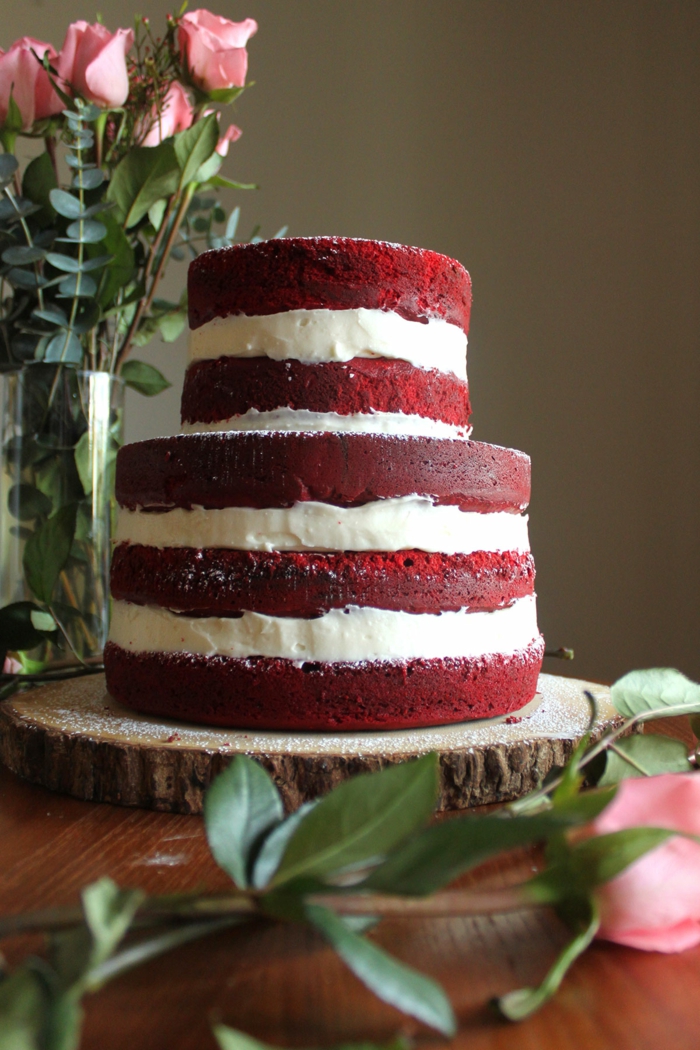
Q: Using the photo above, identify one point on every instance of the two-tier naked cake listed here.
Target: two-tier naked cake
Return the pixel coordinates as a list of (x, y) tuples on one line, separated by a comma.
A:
[(324, 548)]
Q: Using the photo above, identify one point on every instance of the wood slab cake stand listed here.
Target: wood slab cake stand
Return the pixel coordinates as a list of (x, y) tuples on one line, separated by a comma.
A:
[(72, 737)]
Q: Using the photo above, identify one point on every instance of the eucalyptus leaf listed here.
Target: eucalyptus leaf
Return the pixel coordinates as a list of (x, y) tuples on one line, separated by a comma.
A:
[(52, 315), (87, 231), (87, 318), (26, 502), (144, 176), (143, 378), (65, 204), (22, 255), (391, 981), (24, 279), (65, 347), (232, 224), (79, 284), (362, 819), (640, 756), (47, 550), (241, 806), (195, 146), (8, 166), (63, 262), (522, 1003), (12, 211), (88, 178)]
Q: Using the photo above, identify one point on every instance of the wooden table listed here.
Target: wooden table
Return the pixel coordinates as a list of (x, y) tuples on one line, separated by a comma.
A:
[(282, 985)]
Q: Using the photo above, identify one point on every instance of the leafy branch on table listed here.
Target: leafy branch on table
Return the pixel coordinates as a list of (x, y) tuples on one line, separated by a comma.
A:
[(366, 850)]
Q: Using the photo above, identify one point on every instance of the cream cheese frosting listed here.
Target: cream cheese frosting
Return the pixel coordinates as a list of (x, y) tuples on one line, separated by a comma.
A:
[(300, 419), (401, 523), (352, 635), (317, 336)]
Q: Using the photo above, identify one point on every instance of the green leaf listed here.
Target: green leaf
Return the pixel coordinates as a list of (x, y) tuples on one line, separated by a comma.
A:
[(38, 182), (23, 625), (219, 182), (195, 146), (52, 315), (144, 176), (65, 204), (517, 1005), (596, 860), (88, 178), (25, 502), (362, 819), (22, 255), (121, 269), (46, 551), (88, 231), (79, 284), (275, 844), (442, 852), (240, 807), (209, 169), (65, 347), (391, 981), (24, 1003), (660, 687), (232, 1039), (224, 96), (144, 378), (8, 167), (109, 912), (644, 756)]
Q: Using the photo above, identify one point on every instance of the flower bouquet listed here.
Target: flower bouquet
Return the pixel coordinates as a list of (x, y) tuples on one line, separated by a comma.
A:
[(127, 148)]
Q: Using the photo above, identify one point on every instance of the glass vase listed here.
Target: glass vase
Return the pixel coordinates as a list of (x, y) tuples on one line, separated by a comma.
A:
[(60, 430)]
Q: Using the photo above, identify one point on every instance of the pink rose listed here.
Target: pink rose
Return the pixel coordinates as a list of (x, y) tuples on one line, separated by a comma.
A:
[(93, 63), (213, 49), (26, 78), (232, 134), (655, 903), (176, 115)]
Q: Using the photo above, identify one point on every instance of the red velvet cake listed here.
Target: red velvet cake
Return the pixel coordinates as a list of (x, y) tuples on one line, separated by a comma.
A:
[(324, 548)]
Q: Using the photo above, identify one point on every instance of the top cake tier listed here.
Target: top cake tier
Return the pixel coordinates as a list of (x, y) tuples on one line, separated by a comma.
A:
[(328, 333), (328, 273)]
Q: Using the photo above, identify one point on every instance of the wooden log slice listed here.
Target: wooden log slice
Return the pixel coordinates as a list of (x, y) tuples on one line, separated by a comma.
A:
[(73, 738)]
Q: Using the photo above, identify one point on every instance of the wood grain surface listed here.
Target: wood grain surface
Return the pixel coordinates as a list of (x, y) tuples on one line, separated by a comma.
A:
[(74, 738), (283, 985)]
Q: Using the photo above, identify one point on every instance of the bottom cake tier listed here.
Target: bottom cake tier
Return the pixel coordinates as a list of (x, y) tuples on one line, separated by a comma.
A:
[(267, 693)]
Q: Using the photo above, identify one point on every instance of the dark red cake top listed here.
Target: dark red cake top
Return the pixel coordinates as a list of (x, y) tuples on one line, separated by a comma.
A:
[(257, 469), (333, 273)]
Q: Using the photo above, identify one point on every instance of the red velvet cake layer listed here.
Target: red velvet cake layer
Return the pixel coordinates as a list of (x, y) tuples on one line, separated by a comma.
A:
[(263, 693), (229, 386), (278, 470), (220, 582), (328, 273)]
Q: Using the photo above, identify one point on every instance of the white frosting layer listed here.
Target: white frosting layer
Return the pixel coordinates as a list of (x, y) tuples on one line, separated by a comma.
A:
[(402, 523), (353, 634), (357, 423), (315, 336)]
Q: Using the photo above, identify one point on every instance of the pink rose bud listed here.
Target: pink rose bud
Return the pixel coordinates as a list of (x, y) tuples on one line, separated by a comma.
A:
[(176, 115), (213, 49), (24, 76), (232, 134), (11, 666), (654, 904), (93, 63)]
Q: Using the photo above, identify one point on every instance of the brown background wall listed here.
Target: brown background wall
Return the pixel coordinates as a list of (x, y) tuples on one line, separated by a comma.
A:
[(552, 146)]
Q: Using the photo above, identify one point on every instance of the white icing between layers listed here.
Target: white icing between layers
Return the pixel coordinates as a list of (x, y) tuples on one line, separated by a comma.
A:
[(354, 634), (401, 523), (315, 336), (357, 423)]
